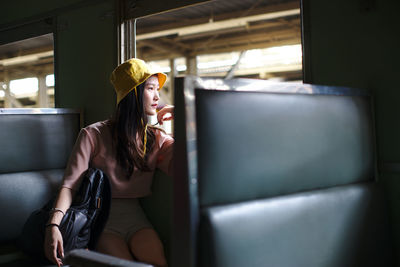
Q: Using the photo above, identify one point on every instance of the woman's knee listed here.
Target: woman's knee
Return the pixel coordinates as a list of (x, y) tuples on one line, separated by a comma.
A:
[(147, 247)]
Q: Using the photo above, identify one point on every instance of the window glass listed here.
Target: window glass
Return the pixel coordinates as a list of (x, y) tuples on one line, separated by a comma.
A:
[(224, 39), (27, 73)]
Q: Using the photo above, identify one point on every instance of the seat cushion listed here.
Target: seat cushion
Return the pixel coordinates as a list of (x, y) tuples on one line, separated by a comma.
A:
[(342, 226), (11, 256), (20, 194)]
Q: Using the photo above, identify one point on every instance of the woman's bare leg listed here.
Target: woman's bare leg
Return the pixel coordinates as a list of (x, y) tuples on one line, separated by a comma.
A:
[(146, 246), (114, 245)]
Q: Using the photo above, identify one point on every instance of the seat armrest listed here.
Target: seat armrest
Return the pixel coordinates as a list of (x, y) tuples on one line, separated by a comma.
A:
[(86, 258)]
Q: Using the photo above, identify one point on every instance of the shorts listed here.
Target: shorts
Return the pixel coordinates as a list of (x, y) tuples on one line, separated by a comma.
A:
[(126, 218)]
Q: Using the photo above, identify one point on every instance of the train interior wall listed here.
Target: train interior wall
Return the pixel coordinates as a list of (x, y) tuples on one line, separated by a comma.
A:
[(349, 43), (354, 43), (85, 50)]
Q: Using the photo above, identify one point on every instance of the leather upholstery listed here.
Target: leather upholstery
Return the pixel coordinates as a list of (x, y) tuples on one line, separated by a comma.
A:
[(36, 141), (264, 145), (20, 194), (276, 179), (34, 152), (334, 227)]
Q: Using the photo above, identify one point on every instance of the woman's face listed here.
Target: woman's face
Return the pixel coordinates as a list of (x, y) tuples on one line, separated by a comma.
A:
[(150, 95)]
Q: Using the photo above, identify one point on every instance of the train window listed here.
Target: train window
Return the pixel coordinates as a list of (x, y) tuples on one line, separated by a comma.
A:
[(225, 38), (27, 73), (221, 38)]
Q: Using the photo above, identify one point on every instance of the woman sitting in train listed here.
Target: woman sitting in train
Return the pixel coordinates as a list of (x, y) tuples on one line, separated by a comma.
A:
[(127, 150)]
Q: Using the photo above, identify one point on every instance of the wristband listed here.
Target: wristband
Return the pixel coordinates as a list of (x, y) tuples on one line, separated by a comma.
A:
[(51, 225)]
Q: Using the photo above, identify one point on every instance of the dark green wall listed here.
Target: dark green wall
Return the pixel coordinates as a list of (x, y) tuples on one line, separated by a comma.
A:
[(85, 49), (354, 47), (20, 11), (355, 43), (86, 53)]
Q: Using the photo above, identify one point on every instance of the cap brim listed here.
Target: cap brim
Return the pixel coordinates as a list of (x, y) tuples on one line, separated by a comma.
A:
[(162, 78)]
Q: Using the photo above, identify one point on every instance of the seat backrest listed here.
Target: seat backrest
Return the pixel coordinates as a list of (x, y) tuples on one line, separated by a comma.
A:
[(35, 146), (275, 175), (268, 144)]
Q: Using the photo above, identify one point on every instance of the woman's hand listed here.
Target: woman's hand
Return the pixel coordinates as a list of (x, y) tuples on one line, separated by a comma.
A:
[(53, 241), (165, 110), (53, 245)]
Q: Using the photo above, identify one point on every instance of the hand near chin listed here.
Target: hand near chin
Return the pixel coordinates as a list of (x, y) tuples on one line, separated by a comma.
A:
[(165, 114)]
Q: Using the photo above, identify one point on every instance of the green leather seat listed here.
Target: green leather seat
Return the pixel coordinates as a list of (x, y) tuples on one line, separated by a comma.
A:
[(276, 175), (35, 146)]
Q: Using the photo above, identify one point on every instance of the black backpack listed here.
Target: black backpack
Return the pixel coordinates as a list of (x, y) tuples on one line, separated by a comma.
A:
[(82, 224)]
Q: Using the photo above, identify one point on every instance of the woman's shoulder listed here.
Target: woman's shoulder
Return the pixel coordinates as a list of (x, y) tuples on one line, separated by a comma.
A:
[(98, 128), (98, 134)]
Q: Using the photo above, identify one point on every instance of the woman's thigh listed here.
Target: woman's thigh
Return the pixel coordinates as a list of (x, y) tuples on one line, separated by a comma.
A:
[(114, 245), (146, 246)]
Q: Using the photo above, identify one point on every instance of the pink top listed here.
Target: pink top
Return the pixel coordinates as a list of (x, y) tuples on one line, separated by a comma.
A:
[(94, 148)]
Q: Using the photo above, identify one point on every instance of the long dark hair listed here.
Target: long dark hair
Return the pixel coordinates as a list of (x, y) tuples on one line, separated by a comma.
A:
[(128, 126)]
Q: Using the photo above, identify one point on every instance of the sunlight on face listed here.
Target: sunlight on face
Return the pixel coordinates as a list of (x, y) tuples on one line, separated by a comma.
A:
[(151, 95)]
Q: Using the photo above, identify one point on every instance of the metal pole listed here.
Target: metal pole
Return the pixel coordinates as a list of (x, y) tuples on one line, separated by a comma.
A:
[(134, 38)]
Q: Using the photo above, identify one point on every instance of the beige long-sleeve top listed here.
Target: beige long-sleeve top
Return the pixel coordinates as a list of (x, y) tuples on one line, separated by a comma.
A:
[(93, 148)]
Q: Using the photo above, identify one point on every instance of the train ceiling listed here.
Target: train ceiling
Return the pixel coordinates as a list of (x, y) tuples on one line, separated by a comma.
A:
[(208, 28), (218, 26)]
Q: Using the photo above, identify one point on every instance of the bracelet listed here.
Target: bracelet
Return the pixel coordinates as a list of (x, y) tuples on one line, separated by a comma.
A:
[(57, 210), (52, 224)]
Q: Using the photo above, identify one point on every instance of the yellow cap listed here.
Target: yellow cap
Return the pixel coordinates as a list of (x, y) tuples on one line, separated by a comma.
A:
[(130, 74)]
